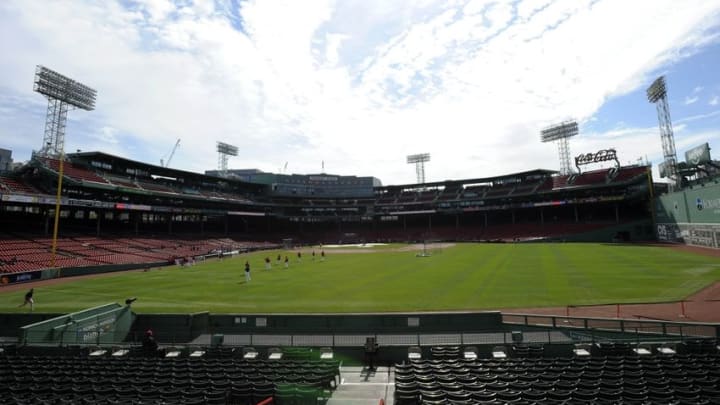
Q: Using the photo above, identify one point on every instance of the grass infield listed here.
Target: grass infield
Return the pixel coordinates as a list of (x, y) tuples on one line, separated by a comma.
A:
[(463, 277)]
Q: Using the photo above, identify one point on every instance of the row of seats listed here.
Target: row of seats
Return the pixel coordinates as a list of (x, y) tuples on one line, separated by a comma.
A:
[(597, 177), (19, 255), (74, 172), (692, 378), (121, 380), (471, 352), (15, 185), (78, 173)]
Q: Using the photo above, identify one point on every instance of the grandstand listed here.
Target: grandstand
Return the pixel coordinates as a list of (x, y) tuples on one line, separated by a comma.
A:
[(108, 196)]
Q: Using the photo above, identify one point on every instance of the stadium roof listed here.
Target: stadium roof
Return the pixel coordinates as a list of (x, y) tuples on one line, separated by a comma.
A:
[(150, 168), (494, 179), (170, 172)]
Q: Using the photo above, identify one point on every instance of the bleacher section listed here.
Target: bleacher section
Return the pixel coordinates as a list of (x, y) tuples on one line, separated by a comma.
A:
[(427, 196), (123, 182), (449, 193), (220, 377), (388, 198), (604, 379), (559, 182), (499, 191), (529, 188), (629, 173), (546, 185), (596, 178), (591, 178), (156, 187), (73, 171), (18, 255), (604, 374), (474, 192), (15, 185), (406, 197)]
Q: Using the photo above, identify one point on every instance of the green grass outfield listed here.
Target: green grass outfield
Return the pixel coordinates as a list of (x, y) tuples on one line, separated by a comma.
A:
[(463, 277)]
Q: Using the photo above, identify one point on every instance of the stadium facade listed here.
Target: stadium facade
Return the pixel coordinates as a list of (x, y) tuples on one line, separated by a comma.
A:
[(304, 185), (105, 194)]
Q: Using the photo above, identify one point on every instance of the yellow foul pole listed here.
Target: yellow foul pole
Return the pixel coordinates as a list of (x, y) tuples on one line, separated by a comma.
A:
[(57, 211)]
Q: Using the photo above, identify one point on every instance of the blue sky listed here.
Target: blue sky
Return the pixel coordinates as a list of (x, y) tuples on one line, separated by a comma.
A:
[(360, 84)]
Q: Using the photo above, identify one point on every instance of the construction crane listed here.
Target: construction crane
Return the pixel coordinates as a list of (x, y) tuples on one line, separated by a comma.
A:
[(172, 153)]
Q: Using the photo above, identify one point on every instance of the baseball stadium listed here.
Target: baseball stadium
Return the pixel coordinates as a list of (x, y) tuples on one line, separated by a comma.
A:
[(130, 282)]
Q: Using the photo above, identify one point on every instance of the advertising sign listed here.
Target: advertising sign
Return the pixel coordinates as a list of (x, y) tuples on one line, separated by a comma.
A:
[(698, 155)]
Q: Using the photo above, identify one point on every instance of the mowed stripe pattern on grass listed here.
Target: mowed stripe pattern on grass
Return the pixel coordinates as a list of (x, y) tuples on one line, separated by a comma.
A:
[(463, 277)]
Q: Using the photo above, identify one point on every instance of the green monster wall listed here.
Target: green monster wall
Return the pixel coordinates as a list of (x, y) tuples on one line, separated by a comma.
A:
[(690, 216)]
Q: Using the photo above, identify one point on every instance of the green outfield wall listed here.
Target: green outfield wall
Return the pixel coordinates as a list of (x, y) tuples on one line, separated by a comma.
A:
[(185, 327), (690, 216)]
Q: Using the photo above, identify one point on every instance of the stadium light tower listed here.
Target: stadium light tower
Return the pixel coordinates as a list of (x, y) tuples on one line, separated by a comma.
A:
[(657, 94), (419, 161), (63, 94), (224, 150), (561, 133)]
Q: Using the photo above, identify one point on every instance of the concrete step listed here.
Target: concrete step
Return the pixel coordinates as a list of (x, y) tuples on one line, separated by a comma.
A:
[(360, 391), (351, 401), (359, 386)]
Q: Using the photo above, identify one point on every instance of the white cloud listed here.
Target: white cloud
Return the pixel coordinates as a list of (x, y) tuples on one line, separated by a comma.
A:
[(694, 97), (107, 134), (714, 100), (356, 83), (697, 117), (632, 143), (157, 10)]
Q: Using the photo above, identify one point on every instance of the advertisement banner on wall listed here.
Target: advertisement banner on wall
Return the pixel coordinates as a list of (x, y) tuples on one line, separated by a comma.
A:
[(703, 204), (707, 235), (14, 278)]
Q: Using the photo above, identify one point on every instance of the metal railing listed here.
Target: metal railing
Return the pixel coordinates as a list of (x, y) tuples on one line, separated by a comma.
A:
[(598, 327)]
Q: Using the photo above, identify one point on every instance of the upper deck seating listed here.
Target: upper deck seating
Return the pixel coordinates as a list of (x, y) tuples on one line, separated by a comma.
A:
[(15, 185), (74, 172), (597, 177)]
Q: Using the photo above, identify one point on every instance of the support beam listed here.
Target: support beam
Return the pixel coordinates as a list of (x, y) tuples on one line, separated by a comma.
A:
[(577, 215), (617, 214)]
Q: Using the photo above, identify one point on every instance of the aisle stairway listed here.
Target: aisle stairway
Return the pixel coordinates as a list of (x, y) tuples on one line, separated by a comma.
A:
[(360, 387)]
